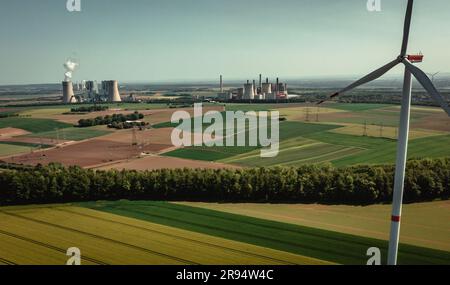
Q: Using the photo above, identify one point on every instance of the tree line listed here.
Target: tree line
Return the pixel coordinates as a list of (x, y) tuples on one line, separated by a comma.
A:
[(110, 119), (89, 109), (426, 180)]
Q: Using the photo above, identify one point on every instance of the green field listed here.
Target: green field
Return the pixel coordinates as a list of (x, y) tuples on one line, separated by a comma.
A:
[(320, 142), (356, 107), (32, 125), (305, 241), (12, 149), (295, 152), (72, 134), (431, 147), (423, 224), (288, 130)]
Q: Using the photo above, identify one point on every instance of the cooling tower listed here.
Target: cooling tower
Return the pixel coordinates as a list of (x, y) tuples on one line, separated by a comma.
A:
[(266, 88), (249, 91), (112, 89), (68, 95)]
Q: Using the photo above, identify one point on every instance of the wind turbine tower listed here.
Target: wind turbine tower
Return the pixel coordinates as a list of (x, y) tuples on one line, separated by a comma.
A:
[(424, 80)]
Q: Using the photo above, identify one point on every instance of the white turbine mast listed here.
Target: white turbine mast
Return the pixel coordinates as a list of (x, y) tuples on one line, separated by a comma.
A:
[(425, 81)]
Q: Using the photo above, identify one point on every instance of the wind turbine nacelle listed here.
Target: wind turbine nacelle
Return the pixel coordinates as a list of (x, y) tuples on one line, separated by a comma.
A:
[(415, 58)]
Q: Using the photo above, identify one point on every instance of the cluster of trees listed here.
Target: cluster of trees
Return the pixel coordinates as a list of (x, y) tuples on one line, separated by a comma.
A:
[(425, 180), (89, 109), (127, 125), (110, 119), (8, 115)]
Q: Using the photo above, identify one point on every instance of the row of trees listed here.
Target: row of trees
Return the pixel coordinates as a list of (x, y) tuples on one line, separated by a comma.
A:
[(425, 180), (110, 119), (8, 115), (89, 109), (127, 125)]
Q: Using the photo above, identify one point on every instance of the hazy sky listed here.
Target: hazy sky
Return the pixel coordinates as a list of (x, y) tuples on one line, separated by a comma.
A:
[(172, 40)]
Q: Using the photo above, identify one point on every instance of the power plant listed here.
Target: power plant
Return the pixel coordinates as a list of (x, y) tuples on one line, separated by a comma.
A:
[(263, 91), (87, 91)]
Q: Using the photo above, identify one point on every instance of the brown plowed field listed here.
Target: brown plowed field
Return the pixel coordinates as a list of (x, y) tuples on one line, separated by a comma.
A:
[(12, 132)]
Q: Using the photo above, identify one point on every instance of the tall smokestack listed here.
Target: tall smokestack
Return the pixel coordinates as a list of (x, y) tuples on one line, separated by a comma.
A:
[(221, 84), (278, 85), (267, 79), (254, 87)]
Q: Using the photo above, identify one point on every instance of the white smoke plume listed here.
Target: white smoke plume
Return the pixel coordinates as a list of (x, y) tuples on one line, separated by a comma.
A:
[(70, 66)]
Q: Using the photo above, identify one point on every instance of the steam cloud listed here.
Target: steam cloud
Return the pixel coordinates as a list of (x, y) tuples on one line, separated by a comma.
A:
[(70, 67)]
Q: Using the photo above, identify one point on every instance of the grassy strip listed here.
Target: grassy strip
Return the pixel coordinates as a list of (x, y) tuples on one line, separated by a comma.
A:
[(26, 144), (73, 134), (320, 244), (32, 125)]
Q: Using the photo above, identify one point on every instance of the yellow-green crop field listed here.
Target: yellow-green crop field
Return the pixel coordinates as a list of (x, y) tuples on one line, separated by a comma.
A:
[(42, 235)]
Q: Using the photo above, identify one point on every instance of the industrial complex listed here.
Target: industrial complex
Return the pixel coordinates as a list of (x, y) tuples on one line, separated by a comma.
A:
[(91, 91), (250, 91)]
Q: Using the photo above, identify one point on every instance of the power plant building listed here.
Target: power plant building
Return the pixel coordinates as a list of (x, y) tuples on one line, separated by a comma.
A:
[(263, 91)]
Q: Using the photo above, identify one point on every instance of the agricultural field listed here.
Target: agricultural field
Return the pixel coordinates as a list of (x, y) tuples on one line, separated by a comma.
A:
[(32, 125), (331, 246), (72, 134), (42, 235), (423, 224), (340, 134), (11, 149)]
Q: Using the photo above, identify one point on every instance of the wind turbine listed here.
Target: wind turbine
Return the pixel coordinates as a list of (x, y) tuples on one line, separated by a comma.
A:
[(423, 79), (433, 75)]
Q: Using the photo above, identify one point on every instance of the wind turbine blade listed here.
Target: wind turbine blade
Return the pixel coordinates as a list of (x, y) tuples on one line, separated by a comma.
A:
[(406, 28), (368, 78), (428, 85)]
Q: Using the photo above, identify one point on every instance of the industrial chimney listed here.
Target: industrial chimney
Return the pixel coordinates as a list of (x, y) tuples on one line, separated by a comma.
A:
[(221, 84), (68, 95)]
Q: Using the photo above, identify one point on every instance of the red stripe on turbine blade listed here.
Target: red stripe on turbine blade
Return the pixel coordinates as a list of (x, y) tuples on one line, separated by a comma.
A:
[(396, 219)]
